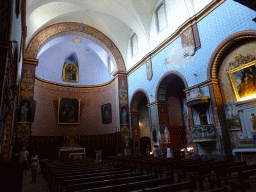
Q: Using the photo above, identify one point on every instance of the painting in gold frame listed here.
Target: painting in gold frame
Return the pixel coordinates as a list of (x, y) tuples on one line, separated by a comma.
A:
[(70, 72), (68, 110), (243, 80)]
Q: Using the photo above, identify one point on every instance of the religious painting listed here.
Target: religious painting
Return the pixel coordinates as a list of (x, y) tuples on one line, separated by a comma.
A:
[(24, 111), (70, 72), (149, 69), (234, 125), (243, 80), (190, 40), (106, 113), (68, 110)]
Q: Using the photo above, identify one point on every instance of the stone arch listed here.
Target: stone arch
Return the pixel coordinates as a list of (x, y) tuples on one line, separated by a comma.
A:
[(72, 28), (221, 50), (163, 83), (134, 103)]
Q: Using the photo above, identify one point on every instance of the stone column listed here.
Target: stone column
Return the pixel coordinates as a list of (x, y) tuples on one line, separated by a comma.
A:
[(123, 120), (23, 129), (219, 116)]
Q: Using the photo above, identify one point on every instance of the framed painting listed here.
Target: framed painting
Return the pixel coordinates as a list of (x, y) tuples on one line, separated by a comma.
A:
[(106, 113), (68, 110), (70, 72), (243, 80), (234, 125)]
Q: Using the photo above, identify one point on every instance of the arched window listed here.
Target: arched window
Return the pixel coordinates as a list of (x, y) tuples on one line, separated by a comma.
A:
[(161, 19), (134, 44)]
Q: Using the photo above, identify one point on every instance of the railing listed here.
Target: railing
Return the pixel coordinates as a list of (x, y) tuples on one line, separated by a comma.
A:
[(203, 133)]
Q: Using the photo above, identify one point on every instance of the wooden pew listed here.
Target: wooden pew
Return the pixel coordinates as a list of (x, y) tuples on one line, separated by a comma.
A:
[(130, 186), (109, 182), (245, 178), (229, 171), (56, 181), (190, 185), (65, 183)]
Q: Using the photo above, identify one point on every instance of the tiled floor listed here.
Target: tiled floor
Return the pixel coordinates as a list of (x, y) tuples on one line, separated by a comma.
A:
[(39, 186)]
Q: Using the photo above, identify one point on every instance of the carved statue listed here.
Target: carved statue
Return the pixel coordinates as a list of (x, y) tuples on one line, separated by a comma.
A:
[(166, 135)]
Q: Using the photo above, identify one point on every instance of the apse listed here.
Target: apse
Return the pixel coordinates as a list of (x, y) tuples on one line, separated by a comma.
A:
[(92, 61)]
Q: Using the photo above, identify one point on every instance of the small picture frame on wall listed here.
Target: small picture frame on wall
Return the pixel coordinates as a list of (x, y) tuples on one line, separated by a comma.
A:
[(68, 110), (106, 113), (243, 80), (234, 125)]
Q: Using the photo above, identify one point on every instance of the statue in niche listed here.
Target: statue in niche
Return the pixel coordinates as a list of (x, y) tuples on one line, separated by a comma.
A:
[(253, 121), (124, 116), (24, 111), (166, 135)]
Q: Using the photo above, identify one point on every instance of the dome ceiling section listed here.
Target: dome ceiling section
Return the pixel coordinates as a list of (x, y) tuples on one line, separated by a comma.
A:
[(115, 29), (44, 12), (47, 12), (91, 58)]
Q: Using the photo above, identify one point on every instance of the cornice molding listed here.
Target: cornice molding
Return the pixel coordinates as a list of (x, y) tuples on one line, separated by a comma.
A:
[(74, 86), (203, 84), (30, 61), (157, 103)]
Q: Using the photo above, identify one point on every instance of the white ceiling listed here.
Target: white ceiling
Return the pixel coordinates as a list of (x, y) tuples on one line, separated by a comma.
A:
[(117, 19)]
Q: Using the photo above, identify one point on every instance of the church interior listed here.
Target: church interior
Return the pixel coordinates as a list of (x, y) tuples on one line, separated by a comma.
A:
[(108, 80)]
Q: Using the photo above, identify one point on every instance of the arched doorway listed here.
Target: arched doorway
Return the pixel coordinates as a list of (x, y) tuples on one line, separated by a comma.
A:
[(140, 122), (171, 100)]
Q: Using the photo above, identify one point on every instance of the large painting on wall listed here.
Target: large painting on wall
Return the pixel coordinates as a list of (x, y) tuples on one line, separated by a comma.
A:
[(68, 110), (243, 80), (106, 113)]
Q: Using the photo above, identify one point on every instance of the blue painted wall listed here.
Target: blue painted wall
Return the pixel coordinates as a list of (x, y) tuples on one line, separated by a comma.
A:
[(230, 17)]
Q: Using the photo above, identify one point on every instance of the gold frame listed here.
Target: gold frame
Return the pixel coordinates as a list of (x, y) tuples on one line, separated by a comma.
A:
[(232, 71), (77, 114), (64, 74)]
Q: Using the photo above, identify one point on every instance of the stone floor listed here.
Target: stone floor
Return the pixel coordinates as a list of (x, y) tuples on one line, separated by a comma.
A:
[(40, 185)]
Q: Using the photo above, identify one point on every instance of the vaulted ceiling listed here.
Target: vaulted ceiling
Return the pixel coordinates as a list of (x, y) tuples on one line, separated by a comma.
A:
[(117, 19)]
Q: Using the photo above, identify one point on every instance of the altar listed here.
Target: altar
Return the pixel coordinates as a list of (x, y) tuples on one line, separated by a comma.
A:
[(72, 153)]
